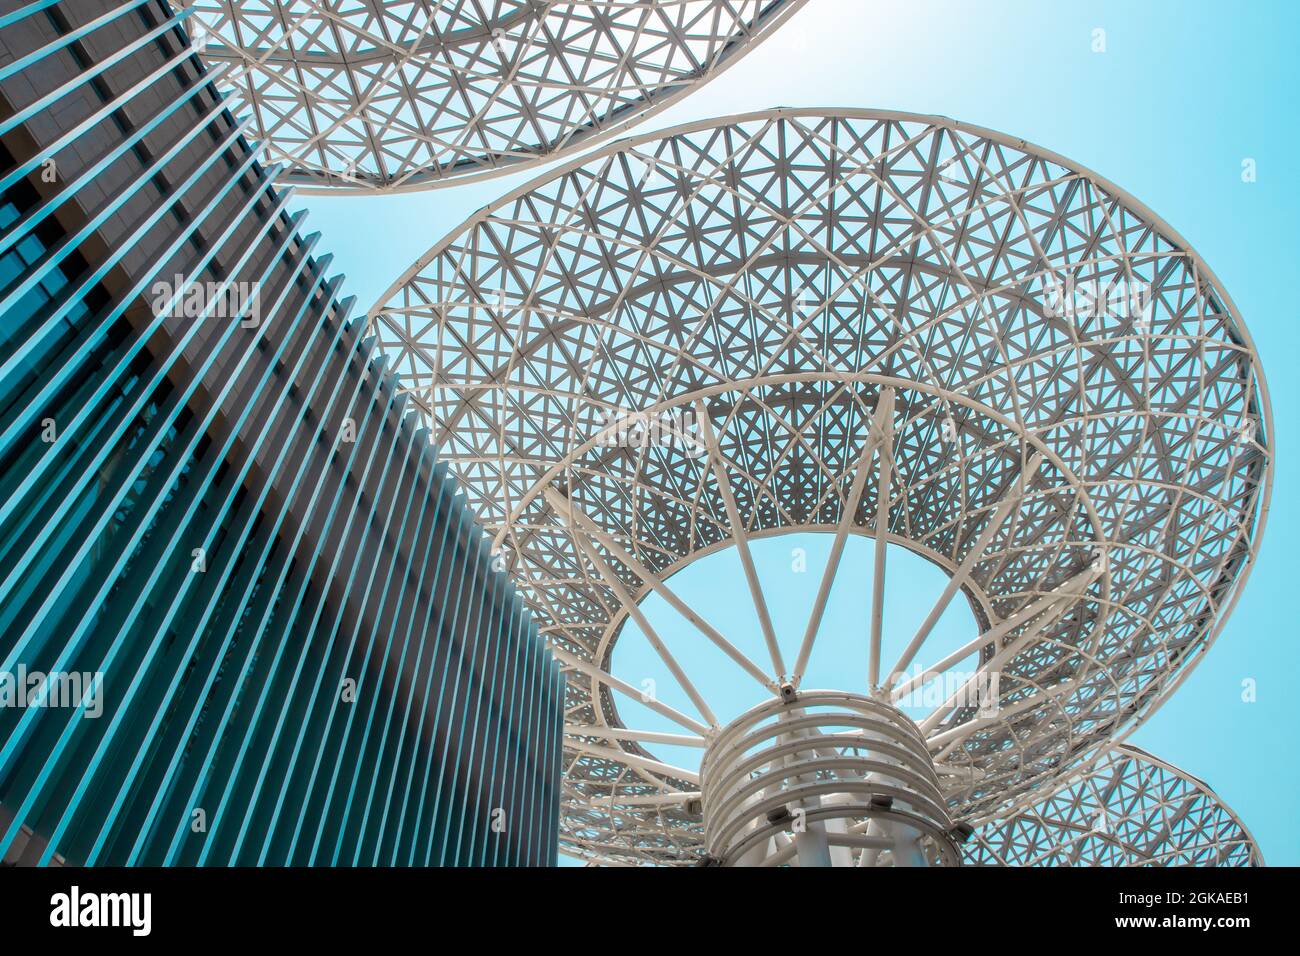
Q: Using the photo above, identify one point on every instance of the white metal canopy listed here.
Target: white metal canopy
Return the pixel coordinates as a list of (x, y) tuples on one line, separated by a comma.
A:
[(1127, 809), (855, 322), (375, 95)]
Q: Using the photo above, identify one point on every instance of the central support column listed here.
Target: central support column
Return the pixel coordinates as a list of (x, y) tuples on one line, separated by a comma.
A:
[(824, 778)]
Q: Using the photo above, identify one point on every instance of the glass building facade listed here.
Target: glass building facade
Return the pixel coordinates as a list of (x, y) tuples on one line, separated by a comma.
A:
[(245, 617)]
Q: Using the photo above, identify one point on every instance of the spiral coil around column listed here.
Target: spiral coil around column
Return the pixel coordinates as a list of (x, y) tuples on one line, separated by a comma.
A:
[(824, 778)]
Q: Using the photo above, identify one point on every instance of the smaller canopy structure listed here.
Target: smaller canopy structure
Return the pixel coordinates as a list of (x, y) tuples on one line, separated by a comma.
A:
[(372, 95), (1128, 809)]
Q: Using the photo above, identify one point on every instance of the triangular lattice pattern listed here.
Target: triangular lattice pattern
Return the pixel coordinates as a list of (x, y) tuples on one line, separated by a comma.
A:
[(778, 271), (1128, 809), (374, 95)]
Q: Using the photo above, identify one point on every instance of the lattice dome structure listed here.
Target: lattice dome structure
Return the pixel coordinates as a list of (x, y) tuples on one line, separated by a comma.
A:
[(1128, 809), (859, 323), (373, 95)]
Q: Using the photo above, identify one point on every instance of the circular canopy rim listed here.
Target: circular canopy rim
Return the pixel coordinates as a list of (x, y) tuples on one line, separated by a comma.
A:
[(1235, 329), (311, 182), (1108, 760)]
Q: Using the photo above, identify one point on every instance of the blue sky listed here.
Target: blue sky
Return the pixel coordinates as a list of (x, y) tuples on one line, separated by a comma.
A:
[(1184, 92)]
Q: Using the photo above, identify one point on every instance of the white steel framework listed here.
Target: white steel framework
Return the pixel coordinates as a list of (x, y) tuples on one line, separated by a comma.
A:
[(854, 322), (823, 778), (375, 95), (1128, 809)]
